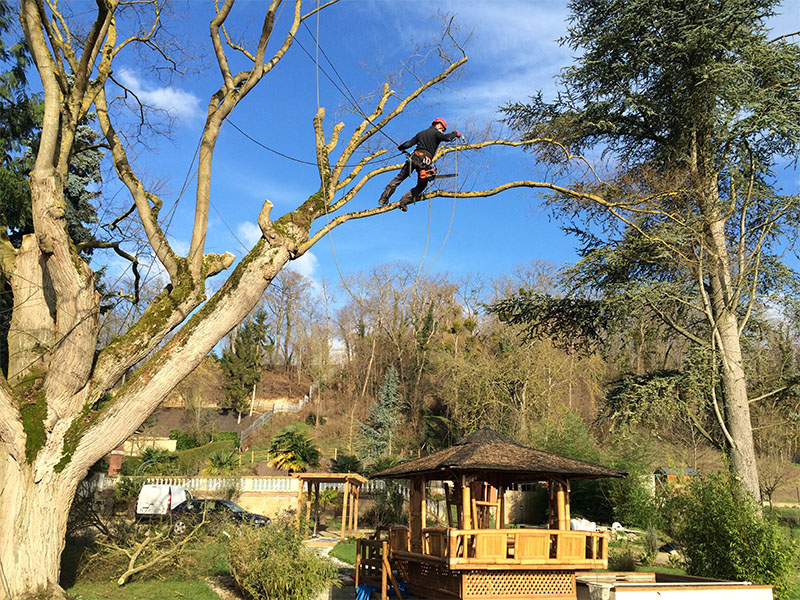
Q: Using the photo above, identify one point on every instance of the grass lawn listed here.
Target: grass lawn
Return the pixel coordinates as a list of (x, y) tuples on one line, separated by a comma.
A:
[(345, 551), (143, 590), (206, 559)]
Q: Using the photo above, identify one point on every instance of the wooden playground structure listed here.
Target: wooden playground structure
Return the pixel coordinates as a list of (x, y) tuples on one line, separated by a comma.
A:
[(478, 556)]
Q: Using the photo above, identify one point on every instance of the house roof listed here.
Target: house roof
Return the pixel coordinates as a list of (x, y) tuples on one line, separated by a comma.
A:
[(488, 451)]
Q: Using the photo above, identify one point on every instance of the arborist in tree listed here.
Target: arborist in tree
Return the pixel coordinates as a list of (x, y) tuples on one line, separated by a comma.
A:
[(421, 160)]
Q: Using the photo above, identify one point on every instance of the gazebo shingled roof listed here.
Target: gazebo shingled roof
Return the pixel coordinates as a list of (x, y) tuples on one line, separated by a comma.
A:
[(488, 450)]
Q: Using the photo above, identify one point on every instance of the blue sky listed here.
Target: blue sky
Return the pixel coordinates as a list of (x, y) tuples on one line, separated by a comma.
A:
[(512, 53)]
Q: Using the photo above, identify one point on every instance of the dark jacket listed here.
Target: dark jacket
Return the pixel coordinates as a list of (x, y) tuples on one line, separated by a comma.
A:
[(428, 140)]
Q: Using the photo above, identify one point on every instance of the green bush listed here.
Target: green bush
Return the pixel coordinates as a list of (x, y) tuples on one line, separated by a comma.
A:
[(313, 418), (347, 463), (221, 436), (186, 440), (633, 503), (623, 561), (387, 507), (723, 535), (190, 461), (271, 563), (127, 488), (130, 464)]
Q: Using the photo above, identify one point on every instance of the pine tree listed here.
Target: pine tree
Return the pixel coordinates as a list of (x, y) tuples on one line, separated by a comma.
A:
[(384, 417), (243, 362)]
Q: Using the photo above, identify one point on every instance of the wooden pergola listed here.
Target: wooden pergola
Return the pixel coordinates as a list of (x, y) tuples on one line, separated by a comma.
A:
[(476, 555), (311, 482)]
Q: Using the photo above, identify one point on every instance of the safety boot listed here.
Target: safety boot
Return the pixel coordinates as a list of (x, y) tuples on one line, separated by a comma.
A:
[(408, 198)]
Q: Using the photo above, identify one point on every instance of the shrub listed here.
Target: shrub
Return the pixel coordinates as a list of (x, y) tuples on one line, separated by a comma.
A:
[(313, 419), (633, 503), (271, 563), (650, 551), (387, 508), (222, 461), (127, 488), (622, 560), (186, 440), (189, 461), (221, 436), (347, 463), (724, 535)]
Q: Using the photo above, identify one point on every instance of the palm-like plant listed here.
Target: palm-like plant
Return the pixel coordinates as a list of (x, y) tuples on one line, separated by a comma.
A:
[(293, 449), (219, 462), (347, 463)]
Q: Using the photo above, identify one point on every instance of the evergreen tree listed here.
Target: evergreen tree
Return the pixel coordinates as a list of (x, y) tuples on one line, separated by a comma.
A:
[(698, 107), (21, 115), (243, 362), (384, 417)]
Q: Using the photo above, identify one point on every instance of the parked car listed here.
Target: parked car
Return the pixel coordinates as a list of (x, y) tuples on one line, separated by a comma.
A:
[(191, 512), (156, 499)]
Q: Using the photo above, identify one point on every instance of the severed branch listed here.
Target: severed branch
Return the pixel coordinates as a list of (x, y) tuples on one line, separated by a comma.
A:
[(133, 568)]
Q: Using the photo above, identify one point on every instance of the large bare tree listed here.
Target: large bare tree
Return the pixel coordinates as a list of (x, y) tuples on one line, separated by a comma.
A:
[(63, 401)]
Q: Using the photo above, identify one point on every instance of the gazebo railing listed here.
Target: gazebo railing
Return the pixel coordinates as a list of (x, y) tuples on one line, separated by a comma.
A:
[(464, 548)]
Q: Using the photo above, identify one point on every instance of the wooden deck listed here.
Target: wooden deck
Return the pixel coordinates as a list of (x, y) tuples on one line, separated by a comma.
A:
[(484, 563)]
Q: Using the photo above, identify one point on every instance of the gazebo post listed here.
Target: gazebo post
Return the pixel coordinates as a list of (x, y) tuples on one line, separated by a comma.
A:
[(355, 510), (308, 508), (316, 508), (561, 499), (300, 505), (466, 504), (501, 517), (416, 516), (345, 496)]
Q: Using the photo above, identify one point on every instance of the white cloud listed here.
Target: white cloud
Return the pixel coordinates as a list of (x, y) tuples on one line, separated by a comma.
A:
[(306, 266), (178, 103), (249, 233), (513, 52), (181, 247)]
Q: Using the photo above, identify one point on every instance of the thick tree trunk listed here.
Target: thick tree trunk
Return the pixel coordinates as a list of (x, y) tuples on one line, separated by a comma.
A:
[(737, 407), (32, 528), (728, 339), (32, 325)]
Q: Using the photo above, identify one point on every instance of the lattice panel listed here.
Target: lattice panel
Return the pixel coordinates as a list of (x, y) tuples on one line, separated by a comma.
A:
[(433, 577), (518, 584)]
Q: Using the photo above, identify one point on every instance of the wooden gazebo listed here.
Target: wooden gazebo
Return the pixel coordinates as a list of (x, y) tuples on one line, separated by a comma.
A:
[(477, 556), (311, 482)]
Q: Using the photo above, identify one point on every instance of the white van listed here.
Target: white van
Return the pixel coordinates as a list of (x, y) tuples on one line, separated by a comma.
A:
[(160, 499)]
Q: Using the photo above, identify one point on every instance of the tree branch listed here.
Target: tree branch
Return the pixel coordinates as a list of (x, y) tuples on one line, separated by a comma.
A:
[(141, 198), (120, 252)]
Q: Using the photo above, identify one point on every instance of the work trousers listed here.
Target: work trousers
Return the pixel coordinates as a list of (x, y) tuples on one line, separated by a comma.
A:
[(405, 172)]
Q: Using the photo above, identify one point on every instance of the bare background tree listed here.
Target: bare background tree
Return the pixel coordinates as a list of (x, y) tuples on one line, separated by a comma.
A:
[(65, 399)]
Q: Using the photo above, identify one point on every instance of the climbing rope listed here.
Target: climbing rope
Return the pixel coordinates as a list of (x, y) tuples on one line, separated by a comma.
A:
[(449, 227), (452, 213)]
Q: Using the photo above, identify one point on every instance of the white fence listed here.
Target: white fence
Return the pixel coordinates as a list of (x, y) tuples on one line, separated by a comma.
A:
[(267, 485)]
